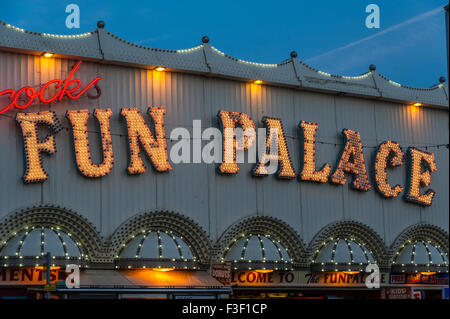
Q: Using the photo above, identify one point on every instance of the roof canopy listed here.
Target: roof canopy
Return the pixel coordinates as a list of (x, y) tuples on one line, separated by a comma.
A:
[(156, 249), (29, 247), (103, 46), (420, 256), (342, 255), (258, 252)]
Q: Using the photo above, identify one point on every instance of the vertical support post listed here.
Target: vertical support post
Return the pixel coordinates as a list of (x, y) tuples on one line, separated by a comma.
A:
[(47, 271)]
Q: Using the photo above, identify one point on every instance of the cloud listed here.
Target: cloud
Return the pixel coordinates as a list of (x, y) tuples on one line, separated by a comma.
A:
[(381, 33)]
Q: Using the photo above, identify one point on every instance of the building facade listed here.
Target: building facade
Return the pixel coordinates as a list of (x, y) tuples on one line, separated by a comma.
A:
[(87, 173)]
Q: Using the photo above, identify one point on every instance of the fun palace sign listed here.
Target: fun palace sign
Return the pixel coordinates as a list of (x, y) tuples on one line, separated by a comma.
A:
[(235, 134)]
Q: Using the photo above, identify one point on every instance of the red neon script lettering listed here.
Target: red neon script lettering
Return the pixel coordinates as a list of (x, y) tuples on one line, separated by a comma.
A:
[(66, 88)]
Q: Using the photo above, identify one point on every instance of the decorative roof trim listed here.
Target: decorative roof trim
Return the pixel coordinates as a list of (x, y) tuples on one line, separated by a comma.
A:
[(184, 227), (82, 230), (421, 232), (356, 231), (262, 225), (104, 46)]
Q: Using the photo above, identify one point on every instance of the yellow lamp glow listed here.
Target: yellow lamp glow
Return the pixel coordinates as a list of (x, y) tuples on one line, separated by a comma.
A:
[(258, 82), (351, 272), (264, 271), (428, 273), (163, 269), (417, 104), (51, 268), (160, 68), (48, 54)]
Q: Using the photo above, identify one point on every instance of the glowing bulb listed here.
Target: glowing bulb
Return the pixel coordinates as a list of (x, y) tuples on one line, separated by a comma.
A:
[(258, 82), (160, 68), (48, 54)]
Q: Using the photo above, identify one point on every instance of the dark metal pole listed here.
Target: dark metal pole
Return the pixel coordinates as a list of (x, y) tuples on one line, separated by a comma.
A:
[(446, 37), (48, 267)]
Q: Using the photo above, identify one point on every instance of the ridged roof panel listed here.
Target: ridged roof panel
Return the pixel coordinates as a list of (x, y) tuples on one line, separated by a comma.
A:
[(204, 58)]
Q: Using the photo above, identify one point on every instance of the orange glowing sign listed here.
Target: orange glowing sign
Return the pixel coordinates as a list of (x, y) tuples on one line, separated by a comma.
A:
[(29, 276), (419, 160), (34, 172), (389, 154), (79, 120), (228, 122), (139, 133), (152, 142), (308, 170), (275, 131), (352, 161)]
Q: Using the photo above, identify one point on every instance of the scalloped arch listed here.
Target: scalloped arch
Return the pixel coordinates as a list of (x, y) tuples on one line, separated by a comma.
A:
[(182, 226), (351, 229), (81, 229), (263, 225), (421, 231)]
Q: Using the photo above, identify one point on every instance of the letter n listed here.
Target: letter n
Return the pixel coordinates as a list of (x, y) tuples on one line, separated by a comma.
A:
[(139, 135)]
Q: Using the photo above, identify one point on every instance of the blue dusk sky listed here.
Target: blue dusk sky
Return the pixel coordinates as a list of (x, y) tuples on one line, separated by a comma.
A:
[(409, 47)]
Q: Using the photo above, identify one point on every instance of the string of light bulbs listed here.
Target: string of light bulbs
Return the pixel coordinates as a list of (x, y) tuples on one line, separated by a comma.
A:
[(426, 146)]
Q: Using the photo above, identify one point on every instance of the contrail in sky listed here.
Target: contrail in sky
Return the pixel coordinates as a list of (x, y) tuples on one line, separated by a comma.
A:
[(390, 29)]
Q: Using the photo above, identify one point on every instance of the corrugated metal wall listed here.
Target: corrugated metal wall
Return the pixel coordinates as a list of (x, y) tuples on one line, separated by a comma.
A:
[(196, 190)]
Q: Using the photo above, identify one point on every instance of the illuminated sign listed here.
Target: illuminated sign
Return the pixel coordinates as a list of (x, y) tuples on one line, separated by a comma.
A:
[(68, 88), (141, 140), (419, 278), (78, 121), (302, 278), (282, 156), (389, 154), (151, 141), (29, 276)]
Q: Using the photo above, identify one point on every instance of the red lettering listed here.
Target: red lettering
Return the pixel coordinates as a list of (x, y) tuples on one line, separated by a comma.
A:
[(252, 278), (289, 277), (53, 275), (39, 271), (261, 278), (29, 93), (27, 273), (68, 89), (3, 274), (14, 274), (41, 92), (333, 278), (11, 94), (240, 279), (93, 82)]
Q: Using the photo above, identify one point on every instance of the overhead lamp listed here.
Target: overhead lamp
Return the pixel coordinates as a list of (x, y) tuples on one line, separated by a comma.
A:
[(48, 54), (351, 272), (264, 271), (428, 273), (163, 269), (258, 81), (160, 68), (417, 104)]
